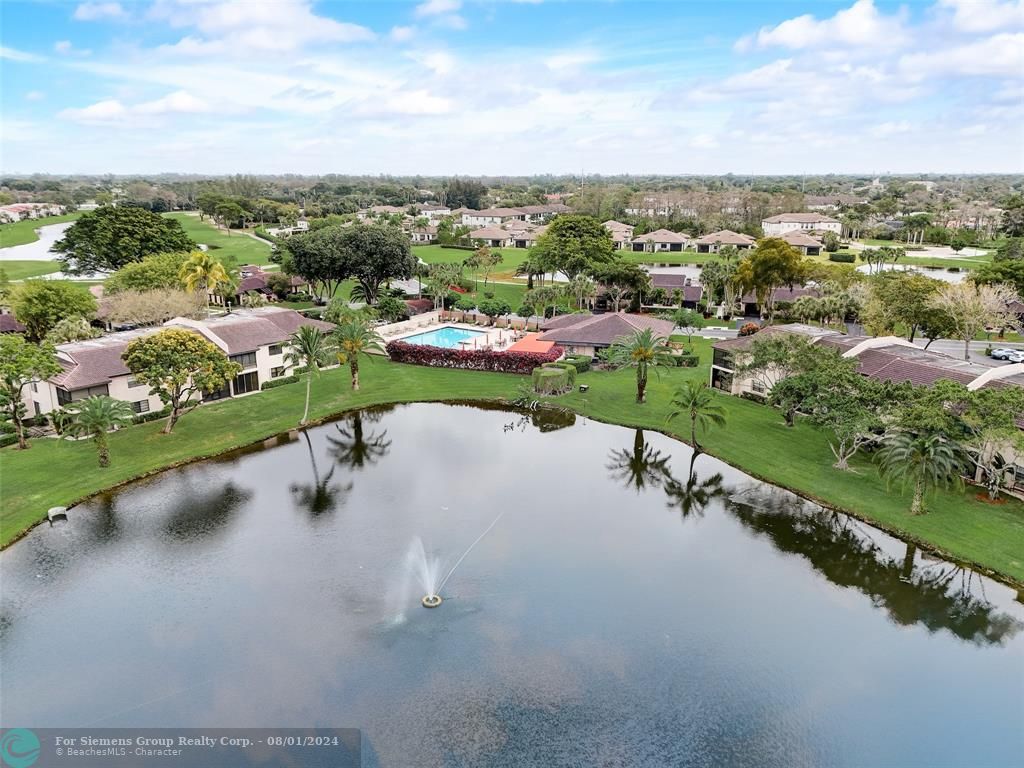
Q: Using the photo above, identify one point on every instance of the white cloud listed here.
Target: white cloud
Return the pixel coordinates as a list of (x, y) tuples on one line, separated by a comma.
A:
[(95, 11), (35, 96), (703, 141), (12, 54), (859, 25), (570, 60), (62, 46), (113, 111), (1001, 55), (402, 34), (240, 26), (890, 128), (985, 15), (437, 7), (438, 62)]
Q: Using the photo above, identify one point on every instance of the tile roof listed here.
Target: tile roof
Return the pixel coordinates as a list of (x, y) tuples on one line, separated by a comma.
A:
[(489, 233), (800, 218), (661, 236), (600, 330), (10, 324), (797, 238), (726, 237)]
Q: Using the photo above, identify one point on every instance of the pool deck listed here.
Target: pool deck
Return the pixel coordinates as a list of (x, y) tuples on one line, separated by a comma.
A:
[(492, 337)]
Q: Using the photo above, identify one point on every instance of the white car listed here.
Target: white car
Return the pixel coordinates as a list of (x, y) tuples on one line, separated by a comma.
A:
[(1015, 356), (1002, 353)]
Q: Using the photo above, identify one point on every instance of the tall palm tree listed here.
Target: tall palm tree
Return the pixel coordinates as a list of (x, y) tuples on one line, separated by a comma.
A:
[(309, 349), (583, 288), (352, 339), (202, 272), (94, 417), (928, 462), (696, 400), (641, 350)]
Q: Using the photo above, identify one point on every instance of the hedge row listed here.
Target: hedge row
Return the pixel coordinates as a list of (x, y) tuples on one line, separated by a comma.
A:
[(460, 247), (581, 363), (279, 382), (843, 258), (8, 439), (470, 359), (142, 418)]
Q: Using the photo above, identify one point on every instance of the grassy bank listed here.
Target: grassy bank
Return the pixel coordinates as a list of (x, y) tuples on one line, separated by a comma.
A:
[(238, 245), (754, 440), (22, 232), (23, 269)]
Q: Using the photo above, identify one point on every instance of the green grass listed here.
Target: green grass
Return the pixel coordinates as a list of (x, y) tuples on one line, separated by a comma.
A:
[(755, 440), (237, 246), (21, 270), (23, 232)]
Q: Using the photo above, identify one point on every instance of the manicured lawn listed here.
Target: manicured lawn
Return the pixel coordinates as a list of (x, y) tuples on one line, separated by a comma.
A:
[(964, 262), (754, 440), (22, 232), (237, 246), (20, 270)]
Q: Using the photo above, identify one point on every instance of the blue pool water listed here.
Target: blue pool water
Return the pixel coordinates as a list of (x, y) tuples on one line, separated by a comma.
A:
[(447, 337)]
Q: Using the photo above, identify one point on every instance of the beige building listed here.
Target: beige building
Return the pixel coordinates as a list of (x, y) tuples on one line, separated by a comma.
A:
[(776, 226), (256, 339)]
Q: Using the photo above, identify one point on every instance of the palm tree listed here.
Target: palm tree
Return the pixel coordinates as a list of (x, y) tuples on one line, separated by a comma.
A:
[(355, 338), (696, 400), (94, 417), (641, 350), (202, 272), (583, 288), (309, 349), (929, 462)]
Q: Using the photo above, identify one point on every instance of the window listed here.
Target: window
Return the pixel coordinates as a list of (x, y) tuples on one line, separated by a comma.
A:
[(276, 349), (38, 410), (63, 396), (277, 373), (722, 359), (246, 360), (35, 386), (141, 406), (133, 383), (757, 386), (246, 382)]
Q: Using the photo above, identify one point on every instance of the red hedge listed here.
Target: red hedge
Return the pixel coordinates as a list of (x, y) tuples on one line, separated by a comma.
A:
[(470, 359)]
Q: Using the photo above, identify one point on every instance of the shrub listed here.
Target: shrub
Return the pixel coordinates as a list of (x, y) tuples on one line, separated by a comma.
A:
[(470, 359), (142, 418), (465, 284), (749, 329), (460, 247), (8, 439), (554, 380), (581, 363), (279, 382), (844, 258), (525, 310), (686, 360), (465, 304)]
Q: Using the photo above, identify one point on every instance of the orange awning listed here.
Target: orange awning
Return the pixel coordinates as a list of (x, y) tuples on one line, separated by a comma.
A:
[(531, 343)]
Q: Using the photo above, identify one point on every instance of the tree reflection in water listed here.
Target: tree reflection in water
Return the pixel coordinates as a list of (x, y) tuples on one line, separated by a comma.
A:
[(639, 468), (939, 595), (321, 495), (200, 511), (353, 448)]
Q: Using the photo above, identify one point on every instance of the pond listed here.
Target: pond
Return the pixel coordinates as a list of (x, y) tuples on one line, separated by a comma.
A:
[(628, 607)]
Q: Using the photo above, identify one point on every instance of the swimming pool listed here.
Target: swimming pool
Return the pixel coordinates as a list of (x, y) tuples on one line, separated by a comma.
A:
[(448, 337)]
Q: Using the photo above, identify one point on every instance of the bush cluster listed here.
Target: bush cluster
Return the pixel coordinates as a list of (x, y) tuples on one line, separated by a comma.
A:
[(470, 359), (142, 418), (749, 329), (844, 258), (279, 382), (581, 363), (686, 360)]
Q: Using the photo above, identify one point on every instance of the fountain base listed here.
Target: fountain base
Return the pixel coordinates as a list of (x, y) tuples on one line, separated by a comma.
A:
[(431, 601)]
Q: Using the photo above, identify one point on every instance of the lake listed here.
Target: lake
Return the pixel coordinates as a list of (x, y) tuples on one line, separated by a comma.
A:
[(628, 607)]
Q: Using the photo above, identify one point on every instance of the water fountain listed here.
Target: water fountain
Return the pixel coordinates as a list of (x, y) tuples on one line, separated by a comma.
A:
[(427, 569)]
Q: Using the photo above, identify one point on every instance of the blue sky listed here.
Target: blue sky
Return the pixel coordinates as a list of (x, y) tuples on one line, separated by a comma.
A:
[(454, 86)]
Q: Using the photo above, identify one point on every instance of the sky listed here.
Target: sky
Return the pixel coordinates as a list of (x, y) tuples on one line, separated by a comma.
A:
[(442, 87)]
